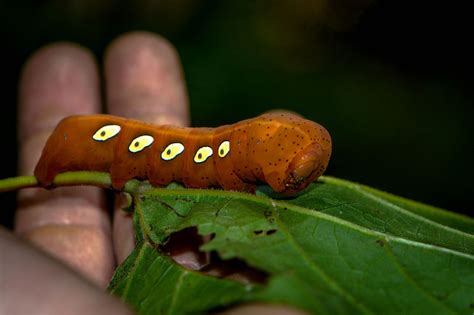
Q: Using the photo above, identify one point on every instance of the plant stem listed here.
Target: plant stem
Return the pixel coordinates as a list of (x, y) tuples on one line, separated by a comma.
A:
[(65, 179), (15, 183)]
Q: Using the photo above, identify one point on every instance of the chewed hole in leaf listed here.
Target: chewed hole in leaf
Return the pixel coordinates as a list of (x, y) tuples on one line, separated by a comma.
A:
[(183, 246), (262, 232), (270, 232), (235, 269)]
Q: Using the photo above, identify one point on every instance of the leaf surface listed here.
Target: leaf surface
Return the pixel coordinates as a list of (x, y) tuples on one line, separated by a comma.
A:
[(337, 248)]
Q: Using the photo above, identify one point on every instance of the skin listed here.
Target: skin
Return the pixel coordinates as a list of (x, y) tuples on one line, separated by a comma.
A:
[(66, 245)]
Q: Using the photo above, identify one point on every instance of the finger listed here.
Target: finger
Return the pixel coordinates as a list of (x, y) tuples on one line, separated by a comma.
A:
[(144, 80), (70, 223), (34, 283)]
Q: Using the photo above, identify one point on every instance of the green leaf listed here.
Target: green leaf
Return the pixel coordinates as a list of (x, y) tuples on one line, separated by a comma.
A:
[(337, 248), (153, 284)]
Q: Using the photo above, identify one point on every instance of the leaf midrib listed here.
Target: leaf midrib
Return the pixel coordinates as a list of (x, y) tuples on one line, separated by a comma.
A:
[(408, 213), (423, 208)]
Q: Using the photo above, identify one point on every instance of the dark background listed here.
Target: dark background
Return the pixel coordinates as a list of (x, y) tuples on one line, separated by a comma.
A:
[(391, 80)]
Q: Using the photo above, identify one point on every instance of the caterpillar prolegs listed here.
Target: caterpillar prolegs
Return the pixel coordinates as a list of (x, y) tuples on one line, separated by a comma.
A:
[(281, 149)]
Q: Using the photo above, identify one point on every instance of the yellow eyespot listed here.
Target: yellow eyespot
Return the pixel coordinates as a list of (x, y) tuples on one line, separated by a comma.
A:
[(106, 132), (224, 149), (140, 143), (172, 151), (202, 154)]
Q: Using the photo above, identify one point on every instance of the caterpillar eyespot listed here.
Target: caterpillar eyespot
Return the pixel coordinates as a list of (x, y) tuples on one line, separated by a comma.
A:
[(223, 149), (140, 143), (203, 154), (172, 151), (106, 132), (283, 150)]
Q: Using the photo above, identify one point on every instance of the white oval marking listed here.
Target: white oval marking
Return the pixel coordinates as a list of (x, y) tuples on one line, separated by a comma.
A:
[(203, 154), (172, 151), (106, 132), (224, 149), (140, 143)]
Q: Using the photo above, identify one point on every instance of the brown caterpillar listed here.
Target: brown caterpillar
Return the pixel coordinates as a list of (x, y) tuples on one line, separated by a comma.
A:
[(283, 150)]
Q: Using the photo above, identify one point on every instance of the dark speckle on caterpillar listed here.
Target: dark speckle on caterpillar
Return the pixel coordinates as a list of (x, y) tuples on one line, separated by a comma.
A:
[(281, 149)]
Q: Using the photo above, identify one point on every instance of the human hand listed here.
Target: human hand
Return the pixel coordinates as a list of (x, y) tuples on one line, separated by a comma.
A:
[(143, 80)]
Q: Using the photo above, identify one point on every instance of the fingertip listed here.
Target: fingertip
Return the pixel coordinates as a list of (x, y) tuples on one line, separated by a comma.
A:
[(144, 79), (57, 80), (142, 40)]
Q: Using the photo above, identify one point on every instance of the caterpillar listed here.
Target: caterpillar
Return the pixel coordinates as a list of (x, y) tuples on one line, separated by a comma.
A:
[(281, 149)]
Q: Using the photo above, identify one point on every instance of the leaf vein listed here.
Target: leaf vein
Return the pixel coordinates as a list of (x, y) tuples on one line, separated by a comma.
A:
[(176, 291), (412, 281)]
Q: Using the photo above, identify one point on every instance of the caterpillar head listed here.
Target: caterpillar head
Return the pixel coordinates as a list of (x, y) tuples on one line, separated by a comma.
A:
[(299, 154), (304, 168)]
